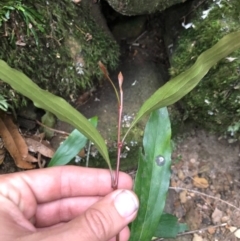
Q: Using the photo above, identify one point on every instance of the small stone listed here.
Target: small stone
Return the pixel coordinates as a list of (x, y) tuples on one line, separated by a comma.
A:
[(192, 194), (181, 175), (192, 160), (212, 187), (196, 237), (183, 196), (225, 219), (173, 183), (211, 230), (217, 216)]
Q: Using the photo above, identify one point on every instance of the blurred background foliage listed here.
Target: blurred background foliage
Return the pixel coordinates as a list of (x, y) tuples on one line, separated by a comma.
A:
[(215, 103), (55, 43)]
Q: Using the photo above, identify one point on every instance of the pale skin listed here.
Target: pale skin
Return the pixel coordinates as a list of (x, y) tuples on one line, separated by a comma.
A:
[(65, 203)]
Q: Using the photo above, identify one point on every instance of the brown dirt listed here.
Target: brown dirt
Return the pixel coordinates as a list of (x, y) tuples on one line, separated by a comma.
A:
[(202, 156)]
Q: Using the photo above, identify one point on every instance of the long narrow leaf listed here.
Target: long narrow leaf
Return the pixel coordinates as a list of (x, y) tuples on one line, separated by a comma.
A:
[(75, 142), (169, 227), (153, 175), (182, 84), (54, 104)]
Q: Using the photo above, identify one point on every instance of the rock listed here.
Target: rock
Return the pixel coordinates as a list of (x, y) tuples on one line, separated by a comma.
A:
[(217, 216), (211, 230), (183, 196), (141, 80), (225, 219), (130, 28), (136, 7), (181, 175), (196, 237)]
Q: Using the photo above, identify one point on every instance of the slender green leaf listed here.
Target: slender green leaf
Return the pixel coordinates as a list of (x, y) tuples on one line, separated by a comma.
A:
[(54, 104), (153, 175), (169, 227), (75, 142), (182, 84)]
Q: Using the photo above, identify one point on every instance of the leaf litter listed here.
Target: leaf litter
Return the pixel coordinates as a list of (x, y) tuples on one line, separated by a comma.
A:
[(22, 149), (205, 179)]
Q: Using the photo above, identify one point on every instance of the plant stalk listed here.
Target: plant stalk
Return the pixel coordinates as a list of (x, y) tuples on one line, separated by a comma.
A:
[(119, 142)]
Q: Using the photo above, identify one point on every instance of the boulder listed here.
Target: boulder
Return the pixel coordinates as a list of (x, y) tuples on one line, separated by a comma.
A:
[(139, 7)]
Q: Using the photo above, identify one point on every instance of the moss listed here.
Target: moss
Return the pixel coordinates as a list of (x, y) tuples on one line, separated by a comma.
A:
[(45, 53), (214, 103)]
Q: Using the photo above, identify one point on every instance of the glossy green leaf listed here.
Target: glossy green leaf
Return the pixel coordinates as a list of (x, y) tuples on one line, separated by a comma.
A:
[(153, 175), (75, 142), (54, 104), (182, 84), (169, 227)]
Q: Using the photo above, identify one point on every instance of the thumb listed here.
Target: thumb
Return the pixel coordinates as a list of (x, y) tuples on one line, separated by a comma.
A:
[(106, 218)]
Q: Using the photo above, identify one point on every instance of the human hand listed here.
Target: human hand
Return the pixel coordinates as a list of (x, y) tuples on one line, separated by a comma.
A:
[(65, 204)]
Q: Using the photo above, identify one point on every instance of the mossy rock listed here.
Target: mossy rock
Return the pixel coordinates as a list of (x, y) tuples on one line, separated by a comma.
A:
[(214, 103), (140, 7), (56, 43)]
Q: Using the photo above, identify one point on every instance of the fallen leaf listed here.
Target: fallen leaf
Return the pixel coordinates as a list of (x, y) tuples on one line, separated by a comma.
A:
[(10, 145), (200, 182), (217, 216), (235, 231), (39, 147), (18, 139), (31, 158), (196, 237), (2, 151)]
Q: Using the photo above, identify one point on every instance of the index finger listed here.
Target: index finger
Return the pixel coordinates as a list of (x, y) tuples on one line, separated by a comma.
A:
[(71, 181)]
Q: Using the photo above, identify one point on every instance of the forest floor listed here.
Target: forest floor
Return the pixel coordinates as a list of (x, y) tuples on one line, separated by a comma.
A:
[(205, 181)]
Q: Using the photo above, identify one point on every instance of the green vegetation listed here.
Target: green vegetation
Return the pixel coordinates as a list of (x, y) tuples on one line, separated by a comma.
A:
[(155, 161), (57, 44), (3, 103), (214, 103)]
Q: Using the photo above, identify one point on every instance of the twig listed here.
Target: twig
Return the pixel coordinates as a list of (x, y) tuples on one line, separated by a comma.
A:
[(194, 8), (51, 129), (138, 38), (194, 231), (206, 195), (202, 229)]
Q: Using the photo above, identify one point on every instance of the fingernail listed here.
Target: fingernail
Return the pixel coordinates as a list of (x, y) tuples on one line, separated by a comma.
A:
[(126, 203)]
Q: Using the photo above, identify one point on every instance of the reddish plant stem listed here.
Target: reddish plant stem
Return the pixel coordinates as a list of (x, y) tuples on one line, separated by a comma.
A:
[(119, 143), (115, 176), (120, 109)]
